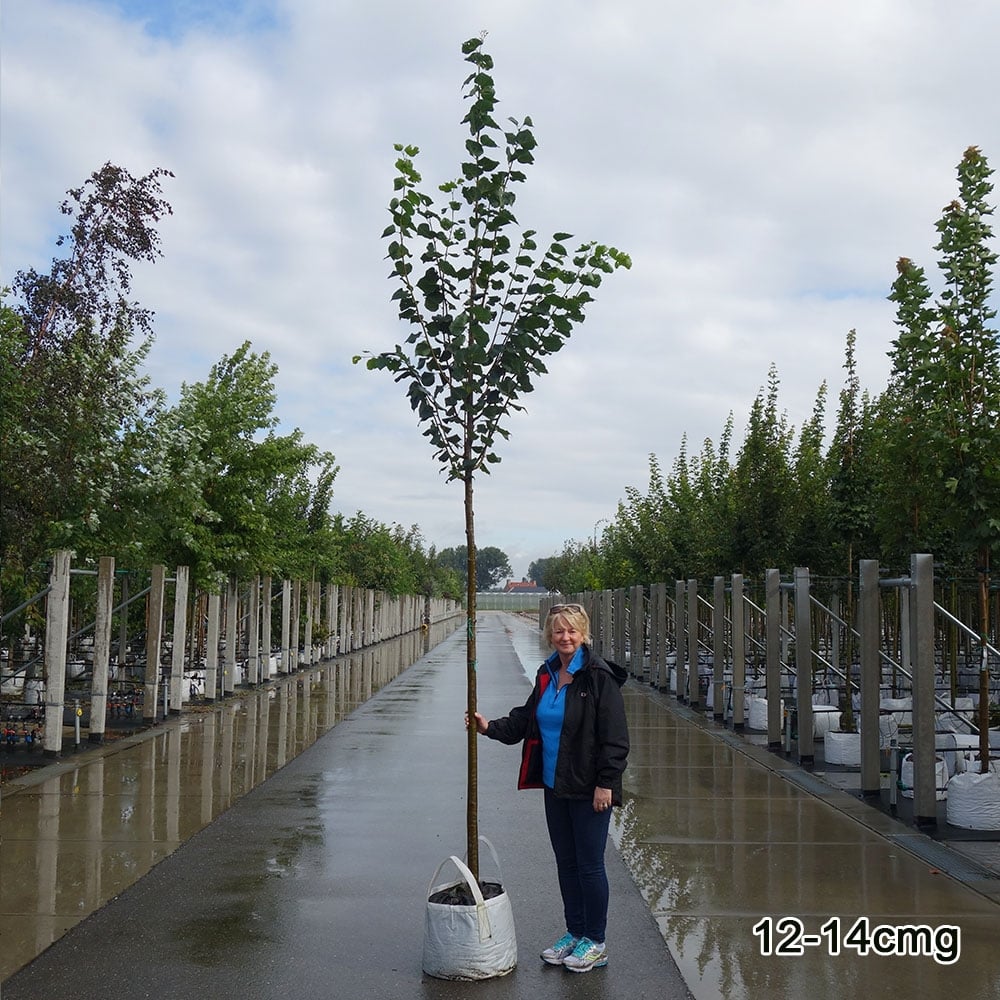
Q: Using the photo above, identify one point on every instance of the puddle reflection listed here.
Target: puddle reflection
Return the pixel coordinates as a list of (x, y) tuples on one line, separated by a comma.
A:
[(716, 844), (76, 839)]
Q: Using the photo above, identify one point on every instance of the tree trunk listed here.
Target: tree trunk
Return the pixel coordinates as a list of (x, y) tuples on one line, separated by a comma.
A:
[(472, 800), (984, 665)]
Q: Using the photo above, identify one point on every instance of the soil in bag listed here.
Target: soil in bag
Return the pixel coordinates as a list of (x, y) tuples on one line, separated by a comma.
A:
[(461, 894)]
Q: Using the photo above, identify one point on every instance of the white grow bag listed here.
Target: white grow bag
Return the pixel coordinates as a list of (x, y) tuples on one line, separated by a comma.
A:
[(471, 941), (826, 719), (757, 718), (974, 801), (940, 777), (842, 748)]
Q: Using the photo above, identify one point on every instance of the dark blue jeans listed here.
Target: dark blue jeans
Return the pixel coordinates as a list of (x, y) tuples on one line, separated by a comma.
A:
[(578, 836)]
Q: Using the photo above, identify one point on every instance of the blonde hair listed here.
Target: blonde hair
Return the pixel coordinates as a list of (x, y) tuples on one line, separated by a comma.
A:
[(572, 615)]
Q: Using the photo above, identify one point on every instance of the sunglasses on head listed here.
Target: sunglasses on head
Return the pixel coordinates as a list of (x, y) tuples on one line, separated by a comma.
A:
[(558, 608)]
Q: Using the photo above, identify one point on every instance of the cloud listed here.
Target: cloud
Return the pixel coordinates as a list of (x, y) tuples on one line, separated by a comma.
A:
[(764, 167)]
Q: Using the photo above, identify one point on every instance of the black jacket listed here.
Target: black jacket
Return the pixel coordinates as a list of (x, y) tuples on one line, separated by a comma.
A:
[(593, 745)]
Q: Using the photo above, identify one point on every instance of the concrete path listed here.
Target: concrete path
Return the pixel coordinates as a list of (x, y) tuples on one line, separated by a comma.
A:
[(282, 846)]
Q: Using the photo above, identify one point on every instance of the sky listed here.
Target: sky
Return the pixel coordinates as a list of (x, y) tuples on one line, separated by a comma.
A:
[(763, 162)]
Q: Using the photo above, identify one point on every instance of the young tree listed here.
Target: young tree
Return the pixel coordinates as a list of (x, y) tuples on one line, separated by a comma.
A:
[(73, 344), (946, 379), (911, 512), (763, 486), (484, 312), (222, 492), (575, 570), (711, 471), (644, 528), (851, 471), (812, 543)]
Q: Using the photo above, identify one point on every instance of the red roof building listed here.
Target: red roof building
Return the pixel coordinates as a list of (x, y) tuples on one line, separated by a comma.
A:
[(524, 587)]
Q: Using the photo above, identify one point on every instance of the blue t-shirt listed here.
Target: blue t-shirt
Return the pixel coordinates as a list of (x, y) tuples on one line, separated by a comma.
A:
[(550, 712)]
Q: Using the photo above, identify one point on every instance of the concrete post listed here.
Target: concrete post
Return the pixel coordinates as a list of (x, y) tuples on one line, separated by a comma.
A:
[(181, 584), (363, 637), (307, 641), (232, 635), (922, 648), (345, 620), (773, 658), (56, 637), (253, 632), (692, 686), (331, 619), (868, 627), (607, 624), (718, 647), (102, 649), (680, 640), (154, 640), (296, 623), (285, 662), (212, 647), (265, 629), (739, 654), (317, 620), (804, 665), (358, 619), (637, 634), (662, 648), (362, 620), (657, 634), (619, 619)]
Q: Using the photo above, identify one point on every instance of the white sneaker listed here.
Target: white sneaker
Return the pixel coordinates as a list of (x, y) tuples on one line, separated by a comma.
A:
[(586, 955), (563, 947)]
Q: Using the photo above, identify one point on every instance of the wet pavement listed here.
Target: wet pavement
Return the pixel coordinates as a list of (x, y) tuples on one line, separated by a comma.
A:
[(281, 845)]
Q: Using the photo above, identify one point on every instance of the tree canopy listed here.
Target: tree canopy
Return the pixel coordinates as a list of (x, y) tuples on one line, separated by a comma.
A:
[(914, 469), (492, 565), (95, 459), (72, 352)]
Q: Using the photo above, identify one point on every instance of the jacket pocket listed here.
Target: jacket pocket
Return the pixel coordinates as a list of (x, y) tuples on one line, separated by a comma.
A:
[(530, 775)]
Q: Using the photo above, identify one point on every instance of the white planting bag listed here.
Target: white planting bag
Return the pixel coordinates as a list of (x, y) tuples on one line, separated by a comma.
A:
[(825, 719), (974, 801), (940, 777), (475, 941), (842, 748), (758, 714)]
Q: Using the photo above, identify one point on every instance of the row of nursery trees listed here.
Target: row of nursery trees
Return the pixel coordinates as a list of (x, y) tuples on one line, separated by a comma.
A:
[(913, 469), (95, 460)]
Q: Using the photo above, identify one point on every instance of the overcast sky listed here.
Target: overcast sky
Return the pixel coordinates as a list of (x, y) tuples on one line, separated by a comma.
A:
[(764, 162)]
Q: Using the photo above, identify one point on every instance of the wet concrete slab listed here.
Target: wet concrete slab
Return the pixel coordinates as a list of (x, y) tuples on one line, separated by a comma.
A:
[(81, 830), (297, 863), (749, 856), (314, 883)]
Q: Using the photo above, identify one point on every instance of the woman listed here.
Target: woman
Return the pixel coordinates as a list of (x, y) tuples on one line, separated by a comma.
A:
[(575, 746)]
